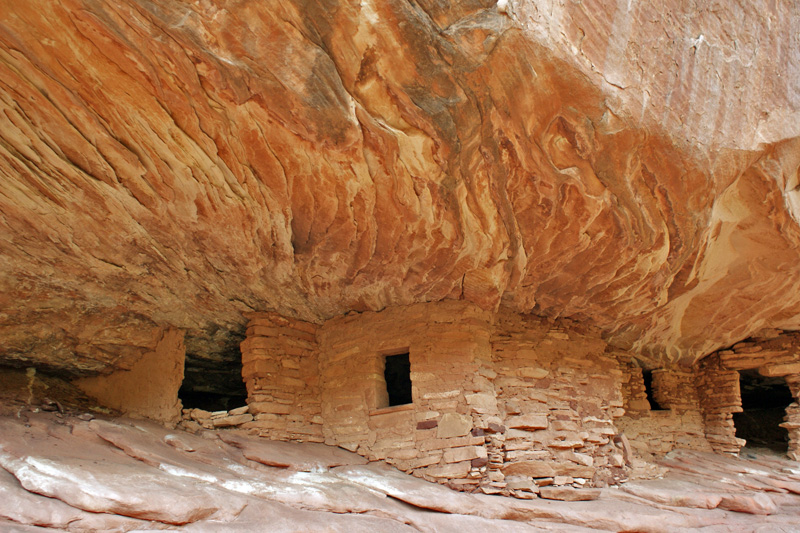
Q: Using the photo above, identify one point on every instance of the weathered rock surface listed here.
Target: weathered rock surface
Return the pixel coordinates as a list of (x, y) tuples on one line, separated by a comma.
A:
[(304, 457), (172, 164), (64, 473)]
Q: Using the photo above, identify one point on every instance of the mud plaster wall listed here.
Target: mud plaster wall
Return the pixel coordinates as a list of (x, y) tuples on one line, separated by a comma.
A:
[(654, 433), (281, 371), (150, 388), (558, 394)]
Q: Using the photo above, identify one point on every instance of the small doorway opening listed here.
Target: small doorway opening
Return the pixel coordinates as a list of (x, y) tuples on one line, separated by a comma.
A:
[(647, 377), (397, 373), (764, 402), (213, 381)]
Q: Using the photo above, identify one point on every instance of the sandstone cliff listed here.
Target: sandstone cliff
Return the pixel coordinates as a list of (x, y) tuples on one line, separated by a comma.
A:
[(633, 165)]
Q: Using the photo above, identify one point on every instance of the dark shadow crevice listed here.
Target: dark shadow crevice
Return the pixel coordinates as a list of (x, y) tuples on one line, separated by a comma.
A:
[(764, 402)]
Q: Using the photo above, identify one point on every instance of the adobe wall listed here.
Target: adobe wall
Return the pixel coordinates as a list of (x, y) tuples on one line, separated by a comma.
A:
[(149, 389), (679, 424)]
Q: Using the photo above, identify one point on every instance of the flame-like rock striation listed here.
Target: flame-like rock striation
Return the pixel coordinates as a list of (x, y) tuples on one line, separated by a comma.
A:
[(630, 164)]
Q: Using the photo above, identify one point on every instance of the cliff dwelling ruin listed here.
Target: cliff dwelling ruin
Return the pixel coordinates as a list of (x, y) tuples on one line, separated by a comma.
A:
[(487, 400), (520, 248)]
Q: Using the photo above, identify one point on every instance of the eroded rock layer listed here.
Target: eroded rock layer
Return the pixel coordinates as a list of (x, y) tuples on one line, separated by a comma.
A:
[(167, 164)]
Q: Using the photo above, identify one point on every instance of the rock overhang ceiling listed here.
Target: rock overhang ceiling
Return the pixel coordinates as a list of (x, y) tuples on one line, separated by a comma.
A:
[(630, 165)]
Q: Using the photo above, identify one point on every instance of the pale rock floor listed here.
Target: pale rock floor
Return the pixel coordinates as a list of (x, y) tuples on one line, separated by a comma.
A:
[(62, 472)]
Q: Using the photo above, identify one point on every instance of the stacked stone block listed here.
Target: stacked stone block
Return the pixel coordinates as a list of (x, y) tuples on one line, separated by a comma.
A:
[(720, 397), (653, 434), (792, 419), (439, 436), (773, 353), (280, 369), (194, 419), (675, 388), (559, 396), (501, 402), (634, 395)]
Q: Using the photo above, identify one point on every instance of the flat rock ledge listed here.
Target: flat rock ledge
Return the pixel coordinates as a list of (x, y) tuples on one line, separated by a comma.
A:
[(80, 473)]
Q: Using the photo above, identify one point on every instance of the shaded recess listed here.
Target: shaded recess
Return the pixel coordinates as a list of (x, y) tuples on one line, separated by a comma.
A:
[(397, 373), (214, 381), (647, 376), (764, 402), (20, 389)]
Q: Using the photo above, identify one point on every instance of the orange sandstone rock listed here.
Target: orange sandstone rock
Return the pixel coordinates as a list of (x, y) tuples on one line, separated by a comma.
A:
[(172, 164)]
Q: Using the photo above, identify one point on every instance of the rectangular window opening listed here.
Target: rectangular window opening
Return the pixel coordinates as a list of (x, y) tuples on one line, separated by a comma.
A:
[(397, 373)]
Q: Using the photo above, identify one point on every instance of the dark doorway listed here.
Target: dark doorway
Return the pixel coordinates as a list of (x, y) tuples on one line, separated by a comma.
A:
[(647, 376), (397, 373), (213, 381), (764, 402)]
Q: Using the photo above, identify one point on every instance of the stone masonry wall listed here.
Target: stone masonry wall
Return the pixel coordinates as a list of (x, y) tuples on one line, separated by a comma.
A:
[(281, 371), (559, 395), (773, 353), (654, 433), (440, 435), (720, 397), (501, 402), (792, 419), (634, 396)]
